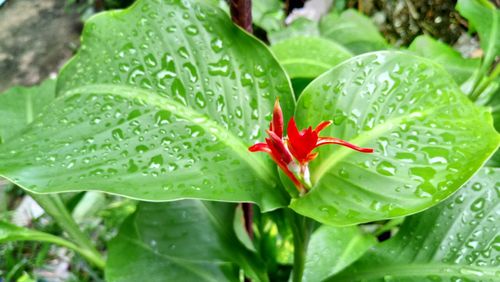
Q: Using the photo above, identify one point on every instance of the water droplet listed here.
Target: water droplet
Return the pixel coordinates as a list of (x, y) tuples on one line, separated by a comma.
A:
[(219, 68), (162, 117), (386, 168), (117, 134)]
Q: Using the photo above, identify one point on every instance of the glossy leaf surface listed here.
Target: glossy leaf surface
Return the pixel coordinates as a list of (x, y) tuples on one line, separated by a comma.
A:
[(308, 57), (20, 105), (161, 103), (429, 139), (458, 67), (332, 249), (458, 240), (180, 241), (354, 31)]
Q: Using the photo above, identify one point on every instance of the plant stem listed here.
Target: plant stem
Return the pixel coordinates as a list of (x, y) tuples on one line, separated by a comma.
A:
[(485, 83), (301, 228), (241, 13), (53, 206)]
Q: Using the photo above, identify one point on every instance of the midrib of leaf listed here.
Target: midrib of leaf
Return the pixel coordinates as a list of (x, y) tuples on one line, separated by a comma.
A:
[(363, 138), (181, 262), (420, 270), (153, 98), (305, 61)]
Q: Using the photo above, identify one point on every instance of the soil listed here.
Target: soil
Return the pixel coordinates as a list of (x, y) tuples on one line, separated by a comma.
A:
[(36, 39)]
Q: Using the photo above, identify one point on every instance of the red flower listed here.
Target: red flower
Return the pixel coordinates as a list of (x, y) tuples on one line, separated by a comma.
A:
[(294, 153)]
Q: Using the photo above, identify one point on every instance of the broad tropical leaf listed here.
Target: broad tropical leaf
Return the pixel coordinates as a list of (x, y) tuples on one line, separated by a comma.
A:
[(459, 68), (332, 249), (20, 105), (458, 240), (308, 57), (180, 241), (354, 31), (160, 103), (429, 139)]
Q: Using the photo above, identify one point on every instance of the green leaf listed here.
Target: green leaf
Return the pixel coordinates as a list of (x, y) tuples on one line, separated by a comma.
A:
[(20, 105), (332, 249), (161, 103), (353, 30), (458, 67), (485, 18), (10, 233), (308, 57), (429, 139), (180, 241), (268, 14), (457, 240), (299, 27)]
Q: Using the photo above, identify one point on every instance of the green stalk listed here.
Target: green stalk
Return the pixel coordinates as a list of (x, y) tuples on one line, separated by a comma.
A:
[(53, 206), (301, 228)]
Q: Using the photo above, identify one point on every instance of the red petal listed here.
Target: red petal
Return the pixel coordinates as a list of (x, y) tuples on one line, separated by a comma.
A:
[(277, 122), (322, 126), (331, 140), (260, 147), (301, 143), (278, 148)]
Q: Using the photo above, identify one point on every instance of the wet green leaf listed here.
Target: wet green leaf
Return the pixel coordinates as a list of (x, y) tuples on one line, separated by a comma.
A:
[(485, 18), (458, 240), (20, 105), (161, 103), (459, 67), (429, 139), (332, 249), (354, 31), (308, 57), (180, 241)]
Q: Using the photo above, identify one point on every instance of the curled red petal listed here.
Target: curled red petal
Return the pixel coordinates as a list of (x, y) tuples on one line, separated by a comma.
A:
[(322, 126), (332, 140), (278, 148), (276, 125), (260, 147)]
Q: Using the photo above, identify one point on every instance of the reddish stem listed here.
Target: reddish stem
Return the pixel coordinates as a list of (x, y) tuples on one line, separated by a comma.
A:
[(241, 13)]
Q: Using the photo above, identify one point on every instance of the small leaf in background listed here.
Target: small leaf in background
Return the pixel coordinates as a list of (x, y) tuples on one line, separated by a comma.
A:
[(160, 103), (308, 57), (456, 240), (354, 31), (332, 249), (429, 139), (180, 241), (457, 66), (12, 233), (299, 27), (20, 105), (484, 17), (268, 14)]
